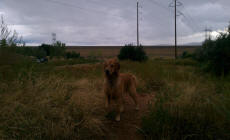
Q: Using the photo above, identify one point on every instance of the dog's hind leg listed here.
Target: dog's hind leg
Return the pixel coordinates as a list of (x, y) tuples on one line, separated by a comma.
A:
[(133, 93)]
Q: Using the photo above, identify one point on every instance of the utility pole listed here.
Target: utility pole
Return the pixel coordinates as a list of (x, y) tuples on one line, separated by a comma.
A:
[(174, 4), (175, 29), (138, 44)]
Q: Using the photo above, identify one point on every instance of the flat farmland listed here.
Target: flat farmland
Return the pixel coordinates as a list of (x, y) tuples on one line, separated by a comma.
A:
[(152, 52)]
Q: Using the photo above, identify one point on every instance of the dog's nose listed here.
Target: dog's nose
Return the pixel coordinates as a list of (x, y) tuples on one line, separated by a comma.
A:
[(107, 72)]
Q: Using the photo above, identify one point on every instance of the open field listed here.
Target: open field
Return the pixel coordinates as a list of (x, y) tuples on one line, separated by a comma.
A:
[(112, 51), (63, 99)]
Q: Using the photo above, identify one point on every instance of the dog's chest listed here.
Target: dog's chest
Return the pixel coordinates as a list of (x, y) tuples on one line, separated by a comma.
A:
[(113, 90)]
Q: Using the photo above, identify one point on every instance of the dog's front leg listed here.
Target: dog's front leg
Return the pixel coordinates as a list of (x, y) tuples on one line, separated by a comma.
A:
[(120, 109), (107, 101)]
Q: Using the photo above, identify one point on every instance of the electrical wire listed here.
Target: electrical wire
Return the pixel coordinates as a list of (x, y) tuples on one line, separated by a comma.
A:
[(83, 9)]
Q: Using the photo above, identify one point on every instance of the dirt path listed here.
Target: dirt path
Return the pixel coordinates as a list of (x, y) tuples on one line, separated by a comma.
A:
[(127, 128)]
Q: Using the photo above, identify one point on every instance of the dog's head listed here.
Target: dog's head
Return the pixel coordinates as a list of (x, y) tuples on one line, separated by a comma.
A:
[(111, 67)]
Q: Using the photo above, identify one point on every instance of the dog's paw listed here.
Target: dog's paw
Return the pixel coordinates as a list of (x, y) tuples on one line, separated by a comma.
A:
[(137, 108), (118, 118), (106, 105), (122, 109)]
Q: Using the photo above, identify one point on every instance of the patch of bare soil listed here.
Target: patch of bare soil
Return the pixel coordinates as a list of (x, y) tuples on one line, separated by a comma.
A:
[(129, 126)]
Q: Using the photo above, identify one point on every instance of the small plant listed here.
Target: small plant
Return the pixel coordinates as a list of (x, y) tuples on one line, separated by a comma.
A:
[(134, 53)]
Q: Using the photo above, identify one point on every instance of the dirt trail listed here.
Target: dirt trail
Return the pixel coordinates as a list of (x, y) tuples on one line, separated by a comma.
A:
[(127, 128)]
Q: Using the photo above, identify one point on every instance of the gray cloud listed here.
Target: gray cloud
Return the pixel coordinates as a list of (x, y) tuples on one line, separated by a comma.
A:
[(113, 22)]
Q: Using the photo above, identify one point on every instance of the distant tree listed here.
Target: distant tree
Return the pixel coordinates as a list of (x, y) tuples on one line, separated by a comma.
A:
[(9, 37)]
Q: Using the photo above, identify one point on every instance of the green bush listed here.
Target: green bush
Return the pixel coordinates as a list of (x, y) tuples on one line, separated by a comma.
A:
[(215, 54), (57, 50), (46, 48), (134, 53), (71, 55), (186, 54)]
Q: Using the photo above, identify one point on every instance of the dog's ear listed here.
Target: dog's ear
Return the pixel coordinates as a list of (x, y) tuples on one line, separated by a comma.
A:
[(104, 64)]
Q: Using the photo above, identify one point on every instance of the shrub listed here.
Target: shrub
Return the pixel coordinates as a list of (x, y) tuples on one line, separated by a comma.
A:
[(186, 54), (72, 54), (215, 54), (130, 52), (46, 48), (40, 53), (57, 50)]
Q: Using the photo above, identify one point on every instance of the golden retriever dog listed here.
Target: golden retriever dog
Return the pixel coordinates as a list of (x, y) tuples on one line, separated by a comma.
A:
[(116, 84)]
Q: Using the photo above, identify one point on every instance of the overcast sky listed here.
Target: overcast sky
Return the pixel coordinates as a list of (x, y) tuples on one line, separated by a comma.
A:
[(113, 22)]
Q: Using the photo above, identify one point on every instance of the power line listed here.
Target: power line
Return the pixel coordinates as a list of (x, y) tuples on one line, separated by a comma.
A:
[(78, 7), (189, 17), (193, 25), (160, 5)]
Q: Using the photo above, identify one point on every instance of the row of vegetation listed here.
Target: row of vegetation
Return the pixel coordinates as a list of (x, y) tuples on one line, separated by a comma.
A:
[(214, 55), (11, 42)]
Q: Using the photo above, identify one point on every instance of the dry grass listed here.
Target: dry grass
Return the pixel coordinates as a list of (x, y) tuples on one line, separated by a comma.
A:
[(51, 107), (53, 101)]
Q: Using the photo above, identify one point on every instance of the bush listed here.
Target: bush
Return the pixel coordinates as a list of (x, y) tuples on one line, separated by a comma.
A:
[(186, 54), (55, 50), (73, 54), (215, 54), (130, 52), (46, 48)]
